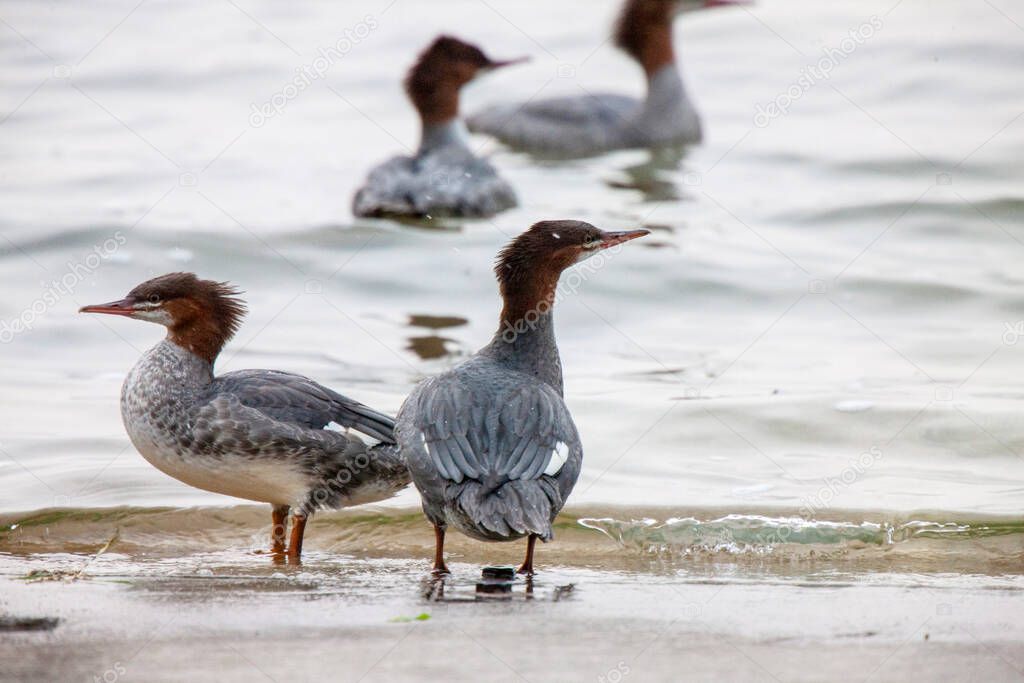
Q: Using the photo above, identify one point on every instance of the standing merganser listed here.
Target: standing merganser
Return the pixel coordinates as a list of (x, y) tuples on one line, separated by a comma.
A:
[(574, 126), (261, 435), (444, 177), (490, 444)]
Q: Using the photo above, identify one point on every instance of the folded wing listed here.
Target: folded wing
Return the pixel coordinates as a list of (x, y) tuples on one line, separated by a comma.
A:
[(516, 434), (298, 400)]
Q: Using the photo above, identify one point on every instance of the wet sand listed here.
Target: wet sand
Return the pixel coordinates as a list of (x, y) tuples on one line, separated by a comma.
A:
[(156, 606), (613, 627)]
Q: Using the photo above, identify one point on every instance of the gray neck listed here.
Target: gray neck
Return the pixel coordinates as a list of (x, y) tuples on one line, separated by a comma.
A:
[(451, 132), (665, 92), (529, 346), (174, 368)]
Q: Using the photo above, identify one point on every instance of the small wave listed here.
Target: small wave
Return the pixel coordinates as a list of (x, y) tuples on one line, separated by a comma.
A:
[(935, 215), (854, 406), (630, 539), (757, 534)]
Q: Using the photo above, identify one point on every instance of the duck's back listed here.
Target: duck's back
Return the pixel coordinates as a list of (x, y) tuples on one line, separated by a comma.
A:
[(574, 126), (493, 451), (448, 180), (568, 125)]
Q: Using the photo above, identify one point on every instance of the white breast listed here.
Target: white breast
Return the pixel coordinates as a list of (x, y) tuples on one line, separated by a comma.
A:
[(265, 481), (154, 403)]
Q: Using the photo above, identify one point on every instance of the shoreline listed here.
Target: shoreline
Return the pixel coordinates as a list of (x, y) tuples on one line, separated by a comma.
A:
[(166, 594), (626, 539)]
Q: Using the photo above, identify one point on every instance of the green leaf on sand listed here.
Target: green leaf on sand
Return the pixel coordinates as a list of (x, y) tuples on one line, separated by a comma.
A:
[(405, 620)]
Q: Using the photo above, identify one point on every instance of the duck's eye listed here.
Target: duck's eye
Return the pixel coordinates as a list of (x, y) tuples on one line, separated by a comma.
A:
[(154, 298), (592, 244)]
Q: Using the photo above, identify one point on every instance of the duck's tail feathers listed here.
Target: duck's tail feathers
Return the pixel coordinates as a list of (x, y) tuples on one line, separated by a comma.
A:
[(516, 508)]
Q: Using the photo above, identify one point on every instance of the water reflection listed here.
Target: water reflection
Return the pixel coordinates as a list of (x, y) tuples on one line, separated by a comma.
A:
[(432, 346), (655, 177)]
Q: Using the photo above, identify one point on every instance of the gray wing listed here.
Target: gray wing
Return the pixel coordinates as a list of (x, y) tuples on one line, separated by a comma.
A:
[(280, 418), (499, 462), (556, 124), (390, 189), (297, 400), (496, 438), (448, 181), (602, 109)]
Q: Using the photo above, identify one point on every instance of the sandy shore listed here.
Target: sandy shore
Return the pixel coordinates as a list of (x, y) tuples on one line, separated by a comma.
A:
[(348, 619)]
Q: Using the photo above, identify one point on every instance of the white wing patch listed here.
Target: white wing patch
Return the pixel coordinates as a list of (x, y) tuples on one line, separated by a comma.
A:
[(558, 458), (368, 440)]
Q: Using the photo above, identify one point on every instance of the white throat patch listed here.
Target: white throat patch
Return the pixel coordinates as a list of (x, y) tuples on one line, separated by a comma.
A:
[(585, 254)]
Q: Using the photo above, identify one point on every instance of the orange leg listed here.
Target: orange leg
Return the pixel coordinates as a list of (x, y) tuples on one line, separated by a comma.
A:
[(439, 566), (295, 543), (279, 514), (527, 567)]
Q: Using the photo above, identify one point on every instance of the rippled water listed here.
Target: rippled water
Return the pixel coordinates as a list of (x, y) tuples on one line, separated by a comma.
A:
[(825, 317)]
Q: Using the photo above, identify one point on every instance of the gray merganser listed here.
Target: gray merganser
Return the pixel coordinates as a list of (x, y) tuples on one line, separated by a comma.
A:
[(261, 435), (575, 126), (490, 444), (444, 177)]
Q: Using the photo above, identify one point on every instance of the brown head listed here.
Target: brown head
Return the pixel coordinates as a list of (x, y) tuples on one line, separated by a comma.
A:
[(200, 315), (644, 28), (434, 81), (529, 266)]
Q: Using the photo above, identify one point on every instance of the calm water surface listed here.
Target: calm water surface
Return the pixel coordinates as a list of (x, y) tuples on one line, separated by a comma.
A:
[(825, 317)]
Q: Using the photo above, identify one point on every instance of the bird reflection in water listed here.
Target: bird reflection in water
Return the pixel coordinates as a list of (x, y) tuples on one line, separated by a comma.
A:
[(656, 177), (432, 346)]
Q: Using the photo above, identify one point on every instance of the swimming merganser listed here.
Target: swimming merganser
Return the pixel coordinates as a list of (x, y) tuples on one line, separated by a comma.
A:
[(444, 177), (575, 126), (490, 444), (262, 435)]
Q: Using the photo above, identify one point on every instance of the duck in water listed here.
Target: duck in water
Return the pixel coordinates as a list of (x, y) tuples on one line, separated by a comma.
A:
[(444, 177), (588, 124)]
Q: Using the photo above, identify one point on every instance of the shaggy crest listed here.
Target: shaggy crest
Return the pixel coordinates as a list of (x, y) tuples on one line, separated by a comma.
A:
[(205, 313)]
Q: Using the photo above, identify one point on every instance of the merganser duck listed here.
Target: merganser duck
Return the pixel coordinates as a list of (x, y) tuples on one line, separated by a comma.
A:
[(262, 435), (490, 444), (575, 126), (444, 177)]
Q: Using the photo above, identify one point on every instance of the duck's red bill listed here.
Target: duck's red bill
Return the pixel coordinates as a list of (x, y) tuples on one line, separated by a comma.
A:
[(610, 239), (122, 307), (508, 62)]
